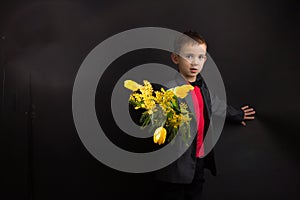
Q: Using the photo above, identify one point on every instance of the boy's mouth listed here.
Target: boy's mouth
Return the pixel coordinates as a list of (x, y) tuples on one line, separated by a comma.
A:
[(194, 70)]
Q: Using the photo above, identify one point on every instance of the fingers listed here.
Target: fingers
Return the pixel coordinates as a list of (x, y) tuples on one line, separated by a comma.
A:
[(245, 107), (248, 110), (249, 118), (250, 113)]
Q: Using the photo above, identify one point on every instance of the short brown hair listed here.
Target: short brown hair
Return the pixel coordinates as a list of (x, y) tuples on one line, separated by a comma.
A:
[(186, 37)]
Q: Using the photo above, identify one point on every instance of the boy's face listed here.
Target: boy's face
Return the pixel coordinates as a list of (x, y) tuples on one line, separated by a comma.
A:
[(191, 60)]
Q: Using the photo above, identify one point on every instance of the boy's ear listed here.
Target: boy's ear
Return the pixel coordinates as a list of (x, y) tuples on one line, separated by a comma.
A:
[(174, 58)]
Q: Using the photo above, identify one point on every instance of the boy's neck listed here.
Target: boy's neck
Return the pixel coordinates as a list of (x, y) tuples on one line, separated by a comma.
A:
[(190, 79)]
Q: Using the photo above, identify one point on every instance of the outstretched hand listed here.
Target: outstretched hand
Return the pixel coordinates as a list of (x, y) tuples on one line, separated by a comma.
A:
[(248, 114)]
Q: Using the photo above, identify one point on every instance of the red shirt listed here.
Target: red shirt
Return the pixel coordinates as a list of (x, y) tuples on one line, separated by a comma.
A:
[(199, 106)]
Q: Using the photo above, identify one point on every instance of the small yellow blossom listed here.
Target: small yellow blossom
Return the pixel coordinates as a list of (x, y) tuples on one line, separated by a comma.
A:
[(183, 107), (160, 135), (131, 85), (182, 91)]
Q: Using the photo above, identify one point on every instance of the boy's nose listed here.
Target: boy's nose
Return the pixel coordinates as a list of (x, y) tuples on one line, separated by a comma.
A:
[(195, 61)]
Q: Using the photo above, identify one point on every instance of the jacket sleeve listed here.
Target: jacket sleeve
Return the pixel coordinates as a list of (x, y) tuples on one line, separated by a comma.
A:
[(232, 114)]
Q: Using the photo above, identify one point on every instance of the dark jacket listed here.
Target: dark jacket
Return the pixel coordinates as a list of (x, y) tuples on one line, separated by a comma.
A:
[(182, 170)]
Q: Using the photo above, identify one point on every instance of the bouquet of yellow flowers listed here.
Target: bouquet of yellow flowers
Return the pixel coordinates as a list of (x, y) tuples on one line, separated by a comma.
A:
[(162, 109)]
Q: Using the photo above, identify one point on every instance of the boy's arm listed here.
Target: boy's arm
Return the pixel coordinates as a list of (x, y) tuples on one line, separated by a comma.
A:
[(232, 114)]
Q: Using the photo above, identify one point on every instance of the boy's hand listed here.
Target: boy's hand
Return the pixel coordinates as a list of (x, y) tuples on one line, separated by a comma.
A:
[(248, 114)]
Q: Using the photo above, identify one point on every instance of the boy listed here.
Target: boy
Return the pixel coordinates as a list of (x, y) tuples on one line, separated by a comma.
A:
[(184, 178)]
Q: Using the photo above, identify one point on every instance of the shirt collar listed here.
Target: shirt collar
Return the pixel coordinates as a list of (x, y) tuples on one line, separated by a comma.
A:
[(198, 82)]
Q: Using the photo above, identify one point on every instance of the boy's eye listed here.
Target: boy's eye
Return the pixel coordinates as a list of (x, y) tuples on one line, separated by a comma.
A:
[(202, 57), (189, 56)]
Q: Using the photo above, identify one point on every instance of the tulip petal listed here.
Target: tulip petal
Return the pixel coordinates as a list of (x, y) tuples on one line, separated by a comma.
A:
[(160, 135), (131, 85), (182, 91)]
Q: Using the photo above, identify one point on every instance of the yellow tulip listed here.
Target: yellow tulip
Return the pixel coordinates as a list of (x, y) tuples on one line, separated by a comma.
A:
[(182, 91), (160, 135), (131, 85)]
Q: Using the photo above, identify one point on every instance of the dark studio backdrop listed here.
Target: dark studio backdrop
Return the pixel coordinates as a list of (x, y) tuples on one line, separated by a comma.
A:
[(255, 45)]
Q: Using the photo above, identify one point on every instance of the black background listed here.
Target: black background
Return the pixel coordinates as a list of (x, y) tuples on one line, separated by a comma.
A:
[(254, 43)]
